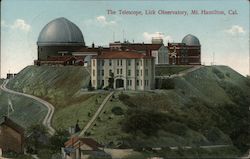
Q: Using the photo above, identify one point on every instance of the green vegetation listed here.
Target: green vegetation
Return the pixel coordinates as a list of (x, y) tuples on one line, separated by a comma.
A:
[(67, 115), (52, 83), (26, 111), (206, 107), (169, 70), (195, 153)]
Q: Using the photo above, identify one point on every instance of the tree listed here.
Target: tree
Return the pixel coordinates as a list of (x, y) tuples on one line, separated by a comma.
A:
[(111, 80), (37, 136), (58, 139)]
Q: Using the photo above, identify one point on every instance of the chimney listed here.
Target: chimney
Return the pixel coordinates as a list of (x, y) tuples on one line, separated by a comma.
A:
[(93, 45)]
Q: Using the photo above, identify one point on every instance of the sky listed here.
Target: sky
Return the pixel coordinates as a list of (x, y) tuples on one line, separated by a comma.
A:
[(226, 36)]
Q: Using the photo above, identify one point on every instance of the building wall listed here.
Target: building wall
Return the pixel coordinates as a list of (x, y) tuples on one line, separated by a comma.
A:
[(137, 74), (45, 51), (163, 55), (185, 55), (10, 139)]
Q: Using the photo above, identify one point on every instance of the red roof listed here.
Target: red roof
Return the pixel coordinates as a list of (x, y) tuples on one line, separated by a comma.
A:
[(139, 46), (122, 55), (59, 58), (142, 46), (86, 49)]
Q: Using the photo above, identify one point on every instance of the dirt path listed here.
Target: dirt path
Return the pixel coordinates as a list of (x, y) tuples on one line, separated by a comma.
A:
[(96, 114), (51, 109), (182, 73)]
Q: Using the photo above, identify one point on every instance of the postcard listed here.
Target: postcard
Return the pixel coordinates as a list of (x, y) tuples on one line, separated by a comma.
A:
[(124, 79)]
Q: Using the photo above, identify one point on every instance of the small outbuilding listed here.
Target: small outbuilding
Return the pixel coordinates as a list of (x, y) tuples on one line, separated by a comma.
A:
[(11, 136)]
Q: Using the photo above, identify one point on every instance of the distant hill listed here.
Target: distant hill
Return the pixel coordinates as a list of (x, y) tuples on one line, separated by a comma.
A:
[(205, 107)]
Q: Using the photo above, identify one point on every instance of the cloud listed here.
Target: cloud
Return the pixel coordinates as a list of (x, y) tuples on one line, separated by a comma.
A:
[(21, 25), (235, 30), (148, 36), (103, 21)]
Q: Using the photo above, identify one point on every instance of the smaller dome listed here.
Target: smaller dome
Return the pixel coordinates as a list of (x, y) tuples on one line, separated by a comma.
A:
[(191, 40)]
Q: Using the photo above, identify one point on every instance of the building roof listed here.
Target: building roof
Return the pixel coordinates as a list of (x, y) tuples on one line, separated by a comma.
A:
[(121, 55), (138, 46), (60, 31), (143, 47), (8, 122), (95, 49), (191, 40)]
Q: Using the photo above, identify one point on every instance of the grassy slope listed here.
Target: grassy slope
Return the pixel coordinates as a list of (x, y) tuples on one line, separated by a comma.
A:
[(169, 70), (200, 86), (61, 85), (27, 111)]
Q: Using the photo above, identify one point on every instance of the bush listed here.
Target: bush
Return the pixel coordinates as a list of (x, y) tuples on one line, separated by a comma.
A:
[(90, 88), (123, 96), (168, 84), (146, 121), (117, 111), (177, 128)]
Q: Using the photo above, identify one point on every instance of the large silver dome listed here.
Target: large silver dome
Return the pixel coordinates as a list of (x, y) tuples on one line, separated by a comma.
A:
[(191, 40), (60, 31)]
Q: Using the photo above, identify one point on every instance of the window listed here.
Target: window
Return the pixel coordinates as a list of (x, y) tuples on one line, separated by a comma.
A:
[(137, 72), (121, 62), (110, 62), (128, 82), (102, 82), (129, 62), (110, 72), (121, 71), (141, 82), (102, 72), (93, 62), (137, 82), (137, 63), (102, 62), (117, 62), (141, 72), (93, 72), (146, 61), (146, 72), (117, 71), (129, 72)]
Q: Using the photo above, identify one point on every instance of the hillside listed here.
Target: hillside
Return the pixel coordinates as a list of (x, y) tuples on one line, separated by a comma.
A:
[(24, 109), (205, 107), (64, 87)]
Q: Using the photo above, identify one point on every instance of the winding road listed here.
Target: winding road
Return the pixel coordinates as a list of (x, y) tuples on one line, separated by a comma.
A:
[(51, 109), (181, 73)]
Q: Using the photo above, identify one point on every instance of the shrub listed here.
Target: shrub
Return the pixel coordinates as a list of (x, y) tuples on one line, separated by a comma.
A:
[(168, 84), (123, 96), (117, 111), (177, 128), (228, 74)]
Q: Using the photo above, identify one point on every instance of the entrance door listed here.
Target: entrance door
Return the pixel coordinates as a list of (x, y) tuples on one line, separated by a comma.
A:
[(119, 83)]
